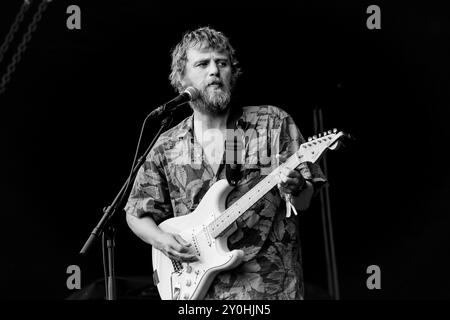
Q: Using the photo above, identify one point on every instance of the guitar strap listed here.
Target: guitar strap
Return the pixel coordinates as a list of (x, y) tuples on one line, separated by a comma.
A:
[(233, 151), (233, 170)]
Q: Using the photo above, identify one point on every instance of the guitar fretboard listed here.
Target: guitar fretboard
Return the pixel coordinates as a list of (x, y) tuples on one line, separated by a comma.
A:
[(221, 223)]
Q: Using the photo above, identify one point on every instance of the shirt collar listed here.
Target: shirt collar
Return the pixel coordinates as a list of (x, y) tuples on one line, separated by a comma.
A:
[(186, 128), (234, 121)]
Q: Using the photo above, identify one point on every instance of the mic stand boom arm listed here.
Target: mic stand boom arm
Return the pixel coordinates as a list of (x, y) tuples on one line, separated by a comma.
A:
[(109, 213)]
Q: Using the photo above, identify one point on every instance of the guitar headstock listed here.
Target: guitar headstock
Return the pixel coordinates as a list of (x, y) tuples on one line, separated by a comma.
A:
[(312, 149)]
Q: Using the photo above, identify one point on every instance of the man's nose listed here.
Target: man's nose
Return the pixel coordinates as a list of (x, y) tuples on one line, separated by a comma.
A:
[(213, 69)]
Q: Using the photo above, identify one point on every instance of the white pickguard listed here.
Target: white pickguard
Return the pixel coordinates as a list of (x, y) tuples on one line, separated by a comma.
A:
[(194, 278)]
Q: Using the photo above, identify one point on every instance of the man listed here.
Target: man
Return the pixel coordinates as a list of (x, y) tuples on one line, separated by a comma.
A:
[(189, 158)]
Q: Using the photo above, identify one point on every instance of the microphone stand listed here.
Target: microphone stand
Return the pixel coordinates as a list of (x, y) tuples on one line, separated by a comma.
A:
[(106, 227)]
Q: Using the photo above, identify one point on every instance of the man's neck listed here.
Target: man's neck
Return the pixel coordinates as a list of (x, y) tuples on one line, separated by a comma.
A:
[(209, 130), (207, 121)]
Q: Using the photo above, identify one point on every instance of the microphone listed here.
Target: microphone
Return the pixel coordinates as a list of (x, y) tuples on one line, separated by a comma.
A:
[(189, 94)]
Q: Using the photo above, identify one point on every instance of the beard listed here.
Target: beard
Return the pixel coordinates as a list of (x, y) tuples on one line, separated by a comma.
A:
[(213, 101)]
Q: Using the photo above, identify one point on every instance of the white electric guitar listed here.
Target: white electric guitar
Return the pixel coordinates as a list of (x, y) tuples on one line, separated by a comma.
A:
[(209, 225)]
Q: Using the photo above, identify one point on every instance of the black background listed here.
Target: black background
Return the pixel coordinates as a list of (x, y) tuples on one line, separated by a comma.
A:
[(71, 116)]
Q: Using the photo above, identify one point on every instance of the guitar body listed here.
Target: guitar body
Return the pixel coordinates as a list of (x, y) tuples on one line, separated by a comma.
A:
[(191, 281), (208, 227)]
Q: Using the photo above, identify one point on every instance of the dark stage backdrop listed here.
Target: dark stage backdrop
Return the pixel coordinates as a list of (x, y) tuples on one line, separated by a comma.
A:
[(71, 115)]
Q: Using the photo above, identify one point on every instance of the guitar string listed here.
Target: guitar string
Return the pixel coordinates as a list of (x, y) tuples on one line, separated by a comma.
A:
[(219, 224), (264, 186)]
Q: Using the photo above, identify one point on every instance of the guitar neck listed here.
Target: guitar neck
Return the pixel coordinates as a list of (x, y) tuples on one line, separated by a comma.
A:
[(229, 216), (309, 151)]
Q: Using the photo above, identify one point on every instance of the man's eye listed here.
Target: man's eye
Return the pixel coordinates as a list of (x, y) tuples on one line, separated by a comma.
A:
[(202, 64), (223, 63)]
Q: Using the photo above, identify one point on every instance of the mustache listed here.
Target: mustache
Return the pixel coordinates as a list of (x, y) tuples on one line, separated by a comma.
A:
[(215, 82)]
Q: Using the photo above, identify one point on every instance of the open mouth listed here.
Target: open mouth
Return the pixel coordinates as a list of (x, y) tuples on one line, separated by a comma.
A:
[(215, 85)]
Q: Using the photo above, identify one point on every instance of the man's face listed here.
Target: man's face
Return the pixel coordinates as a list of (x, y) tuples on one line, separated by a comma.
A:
[(209, 71)]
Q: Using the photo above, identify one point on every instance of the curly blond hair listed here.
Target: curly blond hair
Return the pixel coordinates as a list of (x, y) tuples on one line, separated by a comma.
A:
[(208, 37)]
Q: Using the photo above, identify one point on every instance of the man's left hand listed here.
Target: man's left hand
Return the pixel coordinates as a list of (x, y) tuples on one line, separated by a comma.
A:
[(291, 181)]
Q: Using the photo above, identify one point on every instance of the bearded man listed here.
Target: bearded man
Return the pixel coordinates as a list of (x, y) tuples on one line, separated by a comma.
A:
[(190, 157)]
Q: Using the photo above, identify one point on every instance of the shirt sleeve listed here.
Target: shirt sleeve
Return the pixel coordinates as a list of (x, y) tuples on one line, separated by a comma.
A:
[(150, 194), (290, 141)]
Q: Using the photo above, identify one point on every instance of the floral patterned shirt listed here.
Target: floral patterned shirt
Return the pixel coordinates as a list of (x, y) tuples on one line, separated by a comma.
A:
[(175, 177)]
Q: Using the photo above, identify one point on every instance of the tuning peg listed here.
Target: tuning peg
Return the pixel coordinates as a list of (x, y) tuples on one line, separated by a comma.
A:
[(314, 137), (319, 135), (309, 139), (329, 132), (334, 130)]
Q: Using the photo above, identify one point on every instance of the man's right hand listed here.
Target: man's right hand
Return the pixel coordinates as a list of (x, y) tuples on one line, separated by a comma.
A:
[(175, 247), (172, 245)]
